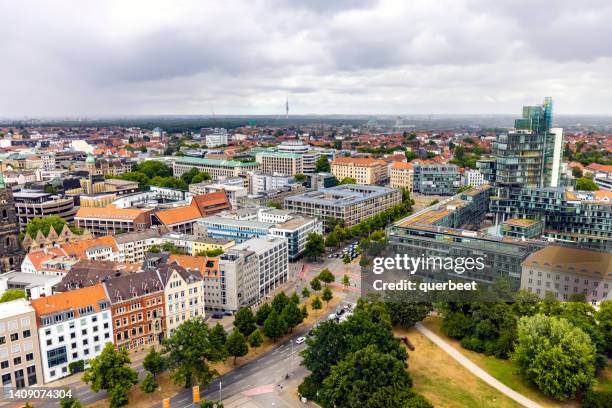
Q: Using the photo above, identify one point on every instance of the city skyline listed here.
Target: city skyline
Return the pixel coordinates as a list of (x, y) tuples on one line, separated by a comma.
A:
[(365, 57)]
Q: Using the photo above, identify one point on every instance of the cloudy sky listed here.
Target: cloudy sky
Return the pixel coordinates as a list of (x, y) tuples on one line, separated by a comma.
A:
[(329, 56)]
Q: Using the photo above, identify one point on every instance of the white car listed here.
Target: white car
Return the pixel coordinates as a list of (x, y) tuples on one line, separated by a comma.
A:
[(300, 340)]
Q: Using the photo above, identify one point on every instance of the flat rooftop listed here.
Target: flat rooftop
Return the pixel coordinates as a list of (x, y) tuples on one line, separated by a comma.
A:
[(346, 194), (522, 222), (15, 308)]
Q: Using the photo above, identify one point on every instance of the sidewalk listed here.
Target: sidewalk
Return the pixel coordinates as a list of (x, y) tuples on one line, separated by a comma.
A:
[(474, 369)]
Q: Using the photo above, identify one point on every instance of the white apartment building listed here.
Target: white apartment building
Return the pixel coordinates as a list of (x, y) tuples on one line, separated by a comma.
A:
[(260, 182), (272, 215), (218, 138), (34, 285), (473, 178), (73, 326), (272, 260)]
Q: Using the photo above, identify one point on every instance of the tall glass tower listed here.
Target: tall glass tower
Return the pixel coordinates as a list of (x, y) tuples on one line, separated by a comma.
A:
[(527, 156)]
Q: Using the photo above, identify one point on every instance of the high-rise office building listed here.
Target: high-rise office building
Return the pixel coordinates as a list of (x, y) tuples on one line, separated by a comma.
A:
[(527, 156)]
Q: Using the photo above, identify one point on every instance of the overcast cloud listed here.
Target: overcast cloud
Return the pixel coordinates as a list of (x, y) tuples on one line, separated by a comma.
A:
[(72, 58)]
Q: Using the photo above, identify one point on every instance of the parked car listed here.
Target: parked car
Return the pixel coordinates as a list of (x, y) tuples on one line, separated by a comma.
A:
[(228, 313), (217, 315), (300, 340)]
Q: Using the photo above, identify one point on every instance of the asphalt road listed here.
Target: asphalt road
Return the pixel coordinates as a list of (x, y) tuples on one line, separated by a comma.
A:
[(269, 368)]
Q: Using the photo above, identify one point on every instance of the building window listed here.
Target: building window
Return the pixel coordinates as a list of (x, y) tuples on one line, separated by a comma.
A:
[(31, 375), (17, 361), (4, 364), (29, 356), (26, 334), (57, 356), (14, 336)]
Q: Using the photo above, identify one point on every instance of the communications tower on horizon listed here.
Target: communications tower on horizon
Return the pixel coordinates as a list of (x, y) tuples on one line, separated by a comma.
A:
[(287, 108)]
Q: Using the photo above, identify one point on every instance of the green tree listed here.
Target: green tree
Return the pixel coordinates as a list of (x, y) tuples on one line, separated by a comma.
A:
[(315, 246), (294, 298), (44, 225), (143, 149), (331, 241), (210, 404), (316, 303), (153, 168), (404, 312), (218, 338), (70, 402), (148, 384), (556, 356), (154, 362), (577, 172), (315, 284), (326, 347), (291, 315), (347, 180), (12, 294), (463, 188), (244, 321), (604, 318), (327, 294), (305, 292), (326, 276), (346, 282), (110, 371), (354, 380), (586, 184), (274, 327), (346, 259), (279, 302), (236, 345), (322, 164), (262, 313), (256, 339), (190, 350), (304, 312), (300, 178)]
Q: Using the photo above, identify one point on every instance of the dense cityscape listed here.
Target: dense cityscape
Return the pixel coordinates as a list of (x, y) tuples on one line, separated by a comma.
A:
[(317, 204), (133, 243)]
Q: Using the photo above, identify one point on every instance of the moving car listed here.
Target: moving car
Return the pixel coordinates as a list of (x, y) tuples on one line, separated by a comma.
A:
[(300, 340)]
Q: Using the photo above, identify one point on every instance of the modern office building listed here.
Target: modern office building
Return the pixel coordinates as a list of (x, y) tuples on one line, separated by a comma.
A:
[(240, 287), (274, 162), (30, 204), (296, 230), (272, 261), (527, 157), (522, 227), (436, 179), (581, 218), (351, 203), (438, 231), (232, 229), (309, 156), (111, 220), (216, 168), (20, 360), (363, 170), (567, 272), (401, 175), (73, 326)]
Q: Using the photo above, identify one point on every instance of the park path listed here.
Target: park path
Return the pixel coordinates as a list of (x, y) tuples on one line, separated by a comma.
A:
[(474, 369)]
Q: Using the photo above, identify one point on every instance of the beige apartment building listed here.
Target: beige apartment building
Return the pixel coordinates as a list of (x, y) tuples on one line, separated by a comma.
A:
[(364, 170), (568, 271), (20, 362), (401, 175), (280, 163), (183, 289)]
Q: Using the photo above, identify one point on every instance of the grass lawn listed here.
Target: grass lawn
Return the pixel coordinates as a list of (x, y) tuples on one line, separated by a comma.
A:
[(445, 382), (503, 370)]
